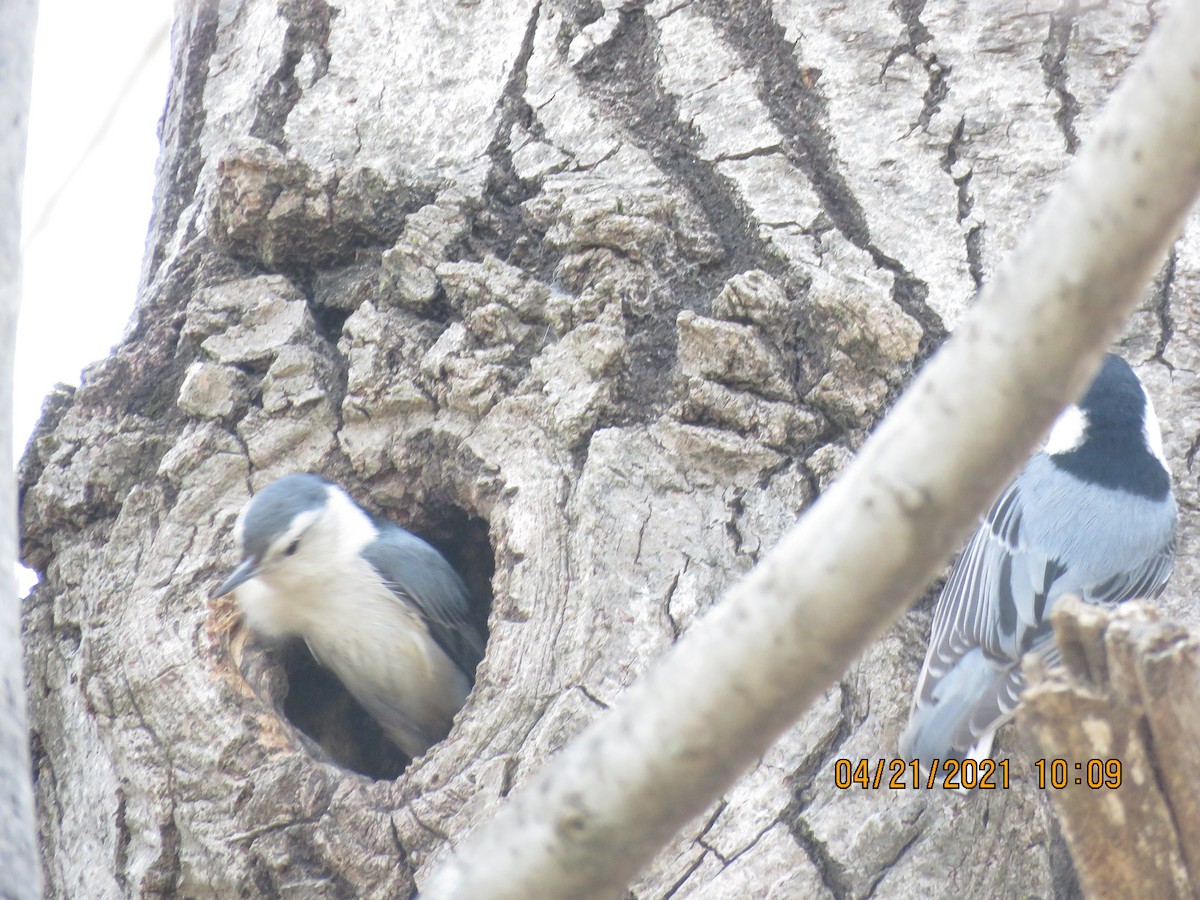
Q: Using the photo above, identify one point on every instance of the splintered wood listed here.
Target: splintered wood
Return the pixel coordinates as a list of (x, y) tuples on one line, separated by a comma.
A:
[(1118, 728)]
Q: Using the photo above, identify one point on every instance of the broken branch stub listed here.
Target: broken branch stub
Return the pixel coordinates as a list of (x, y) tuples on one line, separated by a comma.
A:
[(1117, 728)]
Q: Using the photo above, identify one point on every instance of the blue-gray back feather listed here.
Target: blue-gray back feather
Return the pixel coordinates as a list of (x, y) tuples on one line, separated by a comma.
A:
[(415, 571), (1045, 537)]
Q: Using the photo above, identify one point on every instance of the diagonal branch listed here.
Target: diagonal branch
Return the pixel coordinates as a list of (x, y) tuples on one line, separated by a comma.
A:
[(678, 738)]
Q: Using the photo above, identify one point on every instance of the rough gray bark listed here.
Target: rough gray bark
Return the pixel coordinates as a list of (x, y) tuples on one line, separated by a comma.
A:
[(681, 736), (19, 870), (599, 298), (1120, 720)]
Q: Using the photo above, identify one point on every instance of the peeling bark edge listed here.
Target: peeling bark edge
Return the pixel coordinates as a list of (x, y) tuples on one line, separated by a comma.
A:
[(1118, 727), (600, 810), (20, 871)]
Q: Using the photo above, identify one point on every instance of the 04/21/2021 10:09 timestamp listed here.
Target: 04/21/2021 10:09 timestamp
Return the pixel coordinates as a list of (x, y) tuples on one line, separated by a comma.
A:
[(986, 774)]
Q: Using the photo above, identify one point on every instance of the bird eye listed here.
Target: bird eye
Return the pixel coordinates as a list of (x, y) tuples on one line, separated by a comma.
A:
[(292, 548)]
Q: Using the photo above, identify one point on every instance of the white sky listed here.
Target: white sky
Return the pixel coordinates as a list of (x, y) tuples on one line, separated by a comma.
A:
[(99, 86)]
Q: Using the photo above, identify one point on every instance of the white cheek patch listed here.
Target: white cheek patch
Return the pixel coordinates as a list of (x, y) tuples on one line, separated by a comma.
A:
[(1068, 431), (1152, 433), (354, 529), (300, 524)]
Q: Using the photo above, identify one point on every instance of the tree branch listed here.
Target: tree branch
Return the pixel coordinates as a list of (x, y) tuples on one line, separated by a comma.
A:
[(19, 867), (604, 806)]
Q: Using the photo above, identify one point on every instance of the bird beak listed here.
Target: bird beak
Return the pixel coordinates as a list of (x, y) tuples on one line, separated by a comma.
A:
[(243, 573)]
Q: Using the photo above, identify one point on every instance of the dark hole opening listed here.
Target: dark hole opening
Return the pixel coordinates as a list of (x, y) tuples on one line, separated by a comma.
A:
[(325, 712)]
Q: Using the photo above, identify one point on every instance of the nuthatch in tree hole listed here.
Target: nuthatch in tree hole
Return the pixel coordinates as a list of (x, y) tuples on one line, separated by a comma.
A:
[(376, 605), (1091, 514)]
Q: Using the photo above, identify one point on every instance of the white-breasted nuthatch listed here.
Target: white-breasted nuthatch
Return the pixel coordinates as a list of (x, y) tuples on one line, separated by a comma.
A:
[(377, 605), (1092, 514)]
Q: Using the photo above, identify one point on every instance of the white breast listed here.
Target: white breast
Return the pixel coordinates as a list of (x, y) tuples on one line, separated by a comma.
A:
[(375, 643)]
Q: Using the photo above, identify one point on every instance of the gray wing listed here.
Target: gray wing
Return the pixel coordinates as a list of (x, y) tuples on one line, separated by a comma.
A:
[(418, 574), (1146, 581), (995, 597), (993, 610)]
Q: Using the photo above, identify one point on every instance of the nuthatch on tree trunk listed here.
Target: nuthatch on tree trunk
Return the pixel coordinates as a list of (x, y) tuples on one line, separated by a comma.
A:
[(376, 605)]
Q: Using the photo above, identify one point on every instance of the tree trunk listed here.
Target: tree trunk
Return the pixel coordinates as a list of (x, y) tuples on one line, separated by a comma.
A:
[(596, 300)]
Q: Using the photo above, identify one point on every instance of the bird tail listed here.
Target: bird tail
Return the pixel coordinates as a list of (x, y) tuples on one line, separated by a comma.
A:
[(958, 717)]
